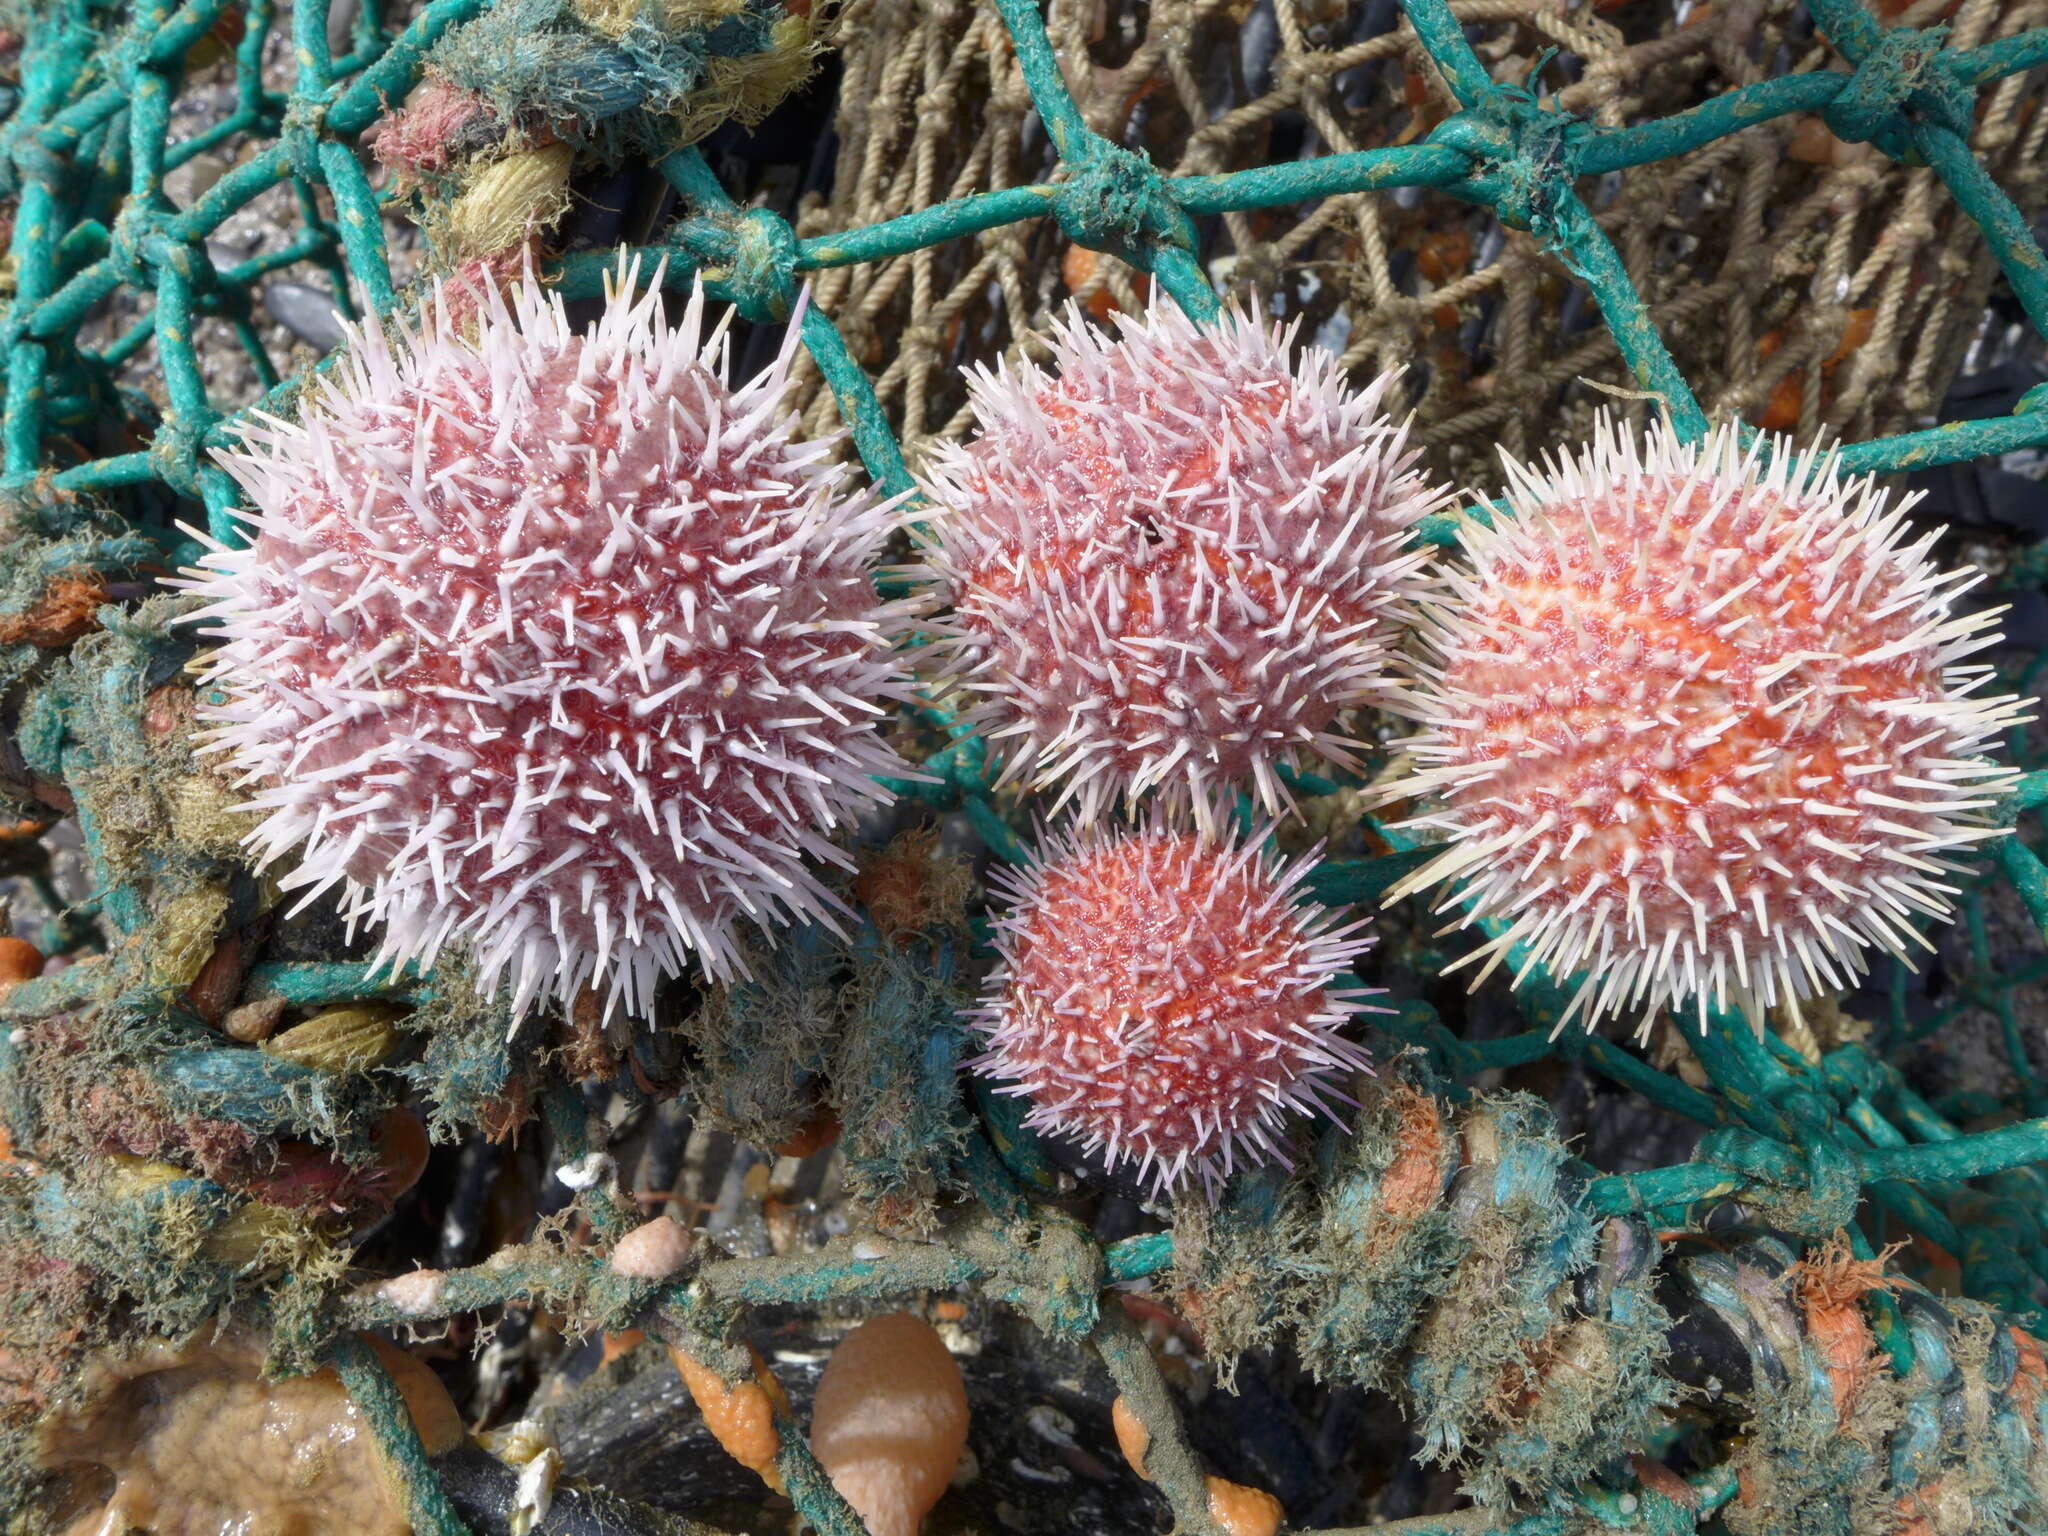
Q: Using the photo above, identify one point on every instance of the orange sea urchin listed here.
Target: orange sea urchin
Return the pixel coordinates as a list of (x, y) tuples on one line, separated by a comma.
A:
[(1164, 998), (1696, 726), (1176, 559)]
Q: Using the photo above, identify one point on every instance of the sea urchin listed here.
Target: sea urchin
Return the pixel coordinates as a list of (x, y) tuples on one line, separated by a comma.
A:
[(554, 642), (1696, 725), (1175, 560), (1163, 997)]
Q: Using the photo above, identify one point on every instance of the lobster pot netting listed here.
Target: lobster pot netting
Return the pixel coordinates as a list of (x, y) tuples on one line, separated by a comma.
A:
[(1802, 283)]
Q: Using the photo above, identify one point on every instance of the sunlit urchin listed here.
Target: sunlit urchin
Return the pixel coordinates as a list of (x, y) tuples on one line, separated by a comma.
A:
[(554, 643), (1176, 558), (1164, 998), (1696, 725)]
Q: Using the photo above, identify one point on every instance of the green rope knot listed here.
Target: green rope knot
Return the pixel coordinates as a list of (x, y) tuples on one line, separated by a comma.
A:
[(176, 452), (136, 242), (1812, 1189), (298, 136), (1113, 200), (1904, 81), (1833, 1185), (1524, 156), (761, 277), (1851, 1071), (1045, 1265), (961, 769)]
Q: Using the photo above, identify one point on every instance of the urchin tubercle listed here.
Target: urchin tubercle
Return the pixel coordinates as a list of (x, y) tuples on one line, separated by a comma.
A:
[(553, 642)]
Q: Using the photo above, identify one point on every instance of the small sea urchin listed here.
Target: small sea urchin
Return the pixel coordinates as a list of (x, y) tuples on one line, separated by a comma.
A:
[(1164, 998), (1696, 725), (553, 641), (1175, 560)]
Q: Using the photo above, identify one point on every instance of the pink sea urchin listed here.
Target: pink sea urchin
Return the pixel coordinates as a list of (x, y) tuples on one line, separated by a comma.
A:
[(1163, 997), (1177, 560), (554, 642), (1696, 727)]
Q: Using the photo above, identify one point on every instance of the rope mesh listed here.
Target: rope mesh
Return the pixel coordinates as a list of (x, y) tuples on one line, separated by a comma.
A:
[(1779, 263)]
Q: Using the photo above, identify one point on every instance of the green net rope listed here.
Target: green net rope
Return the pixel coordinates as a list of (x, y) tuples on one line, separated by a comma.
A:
[(85, 155)]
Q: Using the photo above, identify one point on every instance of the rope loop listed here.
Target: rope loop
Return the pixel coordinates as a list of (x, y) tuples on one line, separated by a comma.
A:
[(1905, 81), (1524, 155), (175, 451), (136, 236), (298, 136), (1813, 1188), (1114, 200), (761, 280)]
